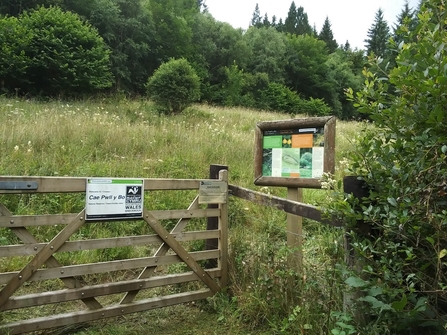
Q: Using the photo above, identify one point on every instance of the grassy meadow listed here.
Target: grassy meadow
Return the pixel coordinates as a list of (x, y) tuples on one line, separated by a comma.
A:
[(126, 138)]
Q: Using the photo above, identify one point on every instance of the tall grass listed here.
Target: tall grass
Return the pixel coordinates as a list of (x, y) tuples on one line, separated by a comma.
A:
[(127, 138)]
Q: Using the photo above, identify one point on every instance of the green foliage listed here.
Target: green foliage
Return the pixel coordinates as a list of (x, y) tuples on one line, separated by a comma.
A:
[(17, 7), (54, 53), (128, 30), (14, 63), (174, 86), (403, 160), (306, 69), (266, 52)]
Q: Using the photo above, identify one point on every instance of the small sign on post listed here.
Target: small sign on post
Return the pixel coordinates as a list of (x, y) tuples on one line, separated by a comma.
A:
[(109, 199), (213, 192)]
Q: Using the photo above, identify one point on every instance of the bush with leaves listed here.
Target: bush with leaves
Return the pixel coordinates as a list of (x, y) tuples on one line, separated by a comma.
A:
[(14, 63), (52, 52), (404, 162), (174, 86)]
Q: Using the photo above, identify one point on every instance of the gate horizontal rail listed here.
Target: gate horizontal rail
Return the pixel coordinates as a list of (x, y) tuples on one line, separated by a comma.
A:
[(39, 260)]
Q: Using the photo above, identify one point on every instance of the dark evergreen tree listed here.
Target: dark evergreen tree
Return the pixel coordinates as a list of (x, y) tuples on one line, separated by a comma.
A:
[(378, 36), (406, 18), (280, 25), (303, 27), (327, 36), (256, 17), (265, 22), (291, 20), (273, 24), (297, 21), (347, 46)]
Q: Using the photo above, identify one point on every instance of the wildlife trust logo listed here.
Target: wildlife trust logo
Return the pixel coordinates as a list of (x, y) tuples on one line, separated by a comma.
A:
[(133, 198)]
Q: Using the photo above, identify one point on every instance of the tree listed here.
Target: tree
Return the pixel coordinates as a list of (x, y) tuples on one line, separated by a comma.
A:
[(303, 27), (173, 29), (256, 17), (265, 22), (174, 86), (14, 38), (306, 71), (297, 21), (17, 7), (406, 20), (403, 160), (217, 45), (128, 29), (267, 52), (62, 54), (291, 20), (378, 36), (327, 36)]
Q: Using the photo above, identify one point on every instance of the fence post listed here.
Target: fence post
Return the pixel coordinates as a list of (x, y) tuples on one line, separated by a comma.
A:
[(213, 223), (359, 189)]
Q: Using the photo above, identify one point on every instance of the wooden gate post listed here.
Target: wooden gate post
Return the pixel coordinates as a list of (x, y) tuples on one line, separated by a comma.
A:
[(213, 222), (295, 231), (359, 189)]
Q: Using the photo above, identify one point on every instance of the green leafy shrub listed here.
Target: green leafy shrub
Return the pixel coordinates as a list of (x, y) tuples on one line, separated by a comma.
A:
[(280, 98), (404, 162), (313, 107), (174, 86), (51, 52), (14, 37)]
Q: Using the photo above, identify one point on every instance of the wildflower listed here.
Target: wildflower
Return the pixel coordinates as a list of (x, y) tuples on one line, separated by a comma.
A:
[(16, 148)]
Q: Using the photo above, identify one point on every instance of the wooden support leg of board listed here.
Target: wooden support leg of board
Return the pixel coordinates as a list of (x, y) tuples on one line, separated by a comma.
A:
[(295, 231)]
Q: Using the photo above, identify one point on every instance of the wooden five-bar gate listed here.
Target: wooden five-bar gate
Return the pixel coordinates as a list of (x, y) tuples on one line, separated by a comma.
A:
[(136, 284)]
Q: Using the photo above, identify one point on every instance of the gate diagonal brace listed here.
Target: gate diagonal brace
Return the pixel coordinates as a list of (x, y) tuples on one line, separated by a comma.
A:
[(40, 258), (69, 282), (180, 251), (162, 250)]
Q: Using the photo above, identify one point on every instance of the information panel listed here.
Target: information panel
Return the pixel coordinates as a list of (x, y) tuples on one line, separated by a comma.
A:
[(294, 153), (108, 198)]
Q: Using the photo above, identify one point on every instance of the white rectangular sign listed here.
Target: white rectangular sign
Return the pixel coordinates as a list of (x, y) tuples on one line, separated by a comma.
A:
[(108, 198), (213, 192)]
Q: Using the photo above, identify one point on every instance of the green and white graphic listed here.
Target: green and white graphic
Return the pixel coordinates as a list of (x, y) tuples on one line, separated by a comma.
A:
[(108, 198), (295, 153)]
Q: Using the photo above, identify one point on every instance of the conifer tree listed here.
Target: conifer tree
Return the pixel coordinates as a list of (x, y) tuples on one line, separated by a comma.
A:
[(256, 17), (265, 21), (273, 24), (327, 36), (291, 20), (406, 17), (297, 21), (303, 27), (378, 36)]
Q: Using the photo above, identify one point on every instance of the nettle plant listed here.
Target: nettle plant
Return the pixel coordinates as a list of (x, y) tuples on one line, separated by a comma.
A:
[(403, 161)]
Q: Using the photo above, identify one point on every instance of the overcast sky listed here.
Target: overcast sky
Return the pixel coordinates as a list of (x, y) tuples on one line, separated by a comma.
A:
[(350, 19)]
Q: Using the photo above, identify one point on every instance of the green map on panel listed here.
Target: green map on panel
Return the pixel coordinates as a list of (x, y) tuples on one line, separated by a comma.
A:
[(272, 142)]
